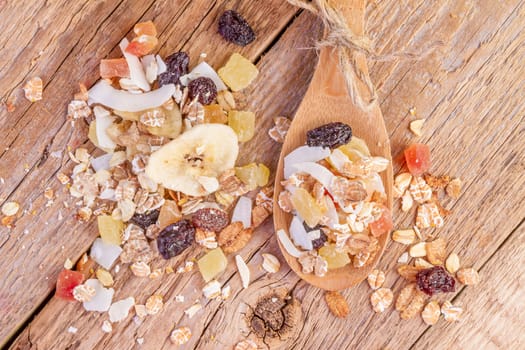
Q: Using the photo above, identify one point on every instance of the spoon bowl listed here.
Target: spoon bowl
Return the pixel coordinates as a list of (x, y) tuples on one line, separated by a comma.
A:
[(327, 100)]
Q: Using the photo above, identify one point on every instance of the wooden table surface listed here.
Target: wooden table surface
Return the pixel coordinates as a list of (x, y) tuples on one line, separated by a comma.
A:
[(471, 91)]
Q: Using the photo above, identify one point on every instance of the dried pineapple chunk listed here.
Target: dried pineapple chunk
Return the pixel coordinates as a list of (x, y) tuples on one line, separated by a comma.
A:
[(238, 72), (110, 229), (333, 257), (212, 264), (243, 123)]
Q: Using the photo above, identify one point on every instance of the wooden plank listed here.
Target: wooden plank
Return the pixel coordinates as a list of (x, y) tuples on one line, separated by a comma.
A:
[(457, 86), (491, 320), (38, 248)]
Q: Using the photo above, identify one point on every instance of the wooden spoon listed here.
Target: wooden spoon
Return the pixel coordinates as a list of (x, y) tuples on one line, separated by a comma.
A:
[(327, 100)]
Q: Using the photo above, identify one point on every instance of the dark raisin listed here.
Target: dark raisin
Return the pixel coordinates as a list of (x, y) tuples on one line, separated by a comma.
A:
[(234, 28), (210, 219), (435, 280), (330, 135), (146, 219), (175, 238), (319, 242), (176, 66), (204, 89)]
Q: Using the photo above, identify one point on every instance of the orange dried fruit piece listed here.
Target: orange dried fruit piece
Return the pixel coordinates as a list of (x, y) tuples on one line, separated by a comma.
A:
[(417, 157), (114, 67), (215, 114), (307, 207), (334, 257), (212, 264), (142, 45), (383, 225), (243, 123), (110, 229), (145, 28), (238, 72)]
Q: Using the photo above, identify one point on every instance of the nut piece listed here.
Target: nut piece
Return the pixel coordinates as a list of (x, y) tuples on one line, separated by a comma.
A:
[(406, 202), (403, 258), (244, 271), (416, 126), (468, 276), (83, 292), (180, 335), (140, 310), (420, 190), (246, 345), (337, 304), (140, 269), (450, 312), (410, 301), (431, 313), (234, 237), (212, 289), (154, 304), (10, 208), (408, 272), (205, 238), (407, 236), (381, 299), (418, 250), (104, 276), (452, 264), (376, 278), (453, 188), (436, 251), (420, 262), (225, 100), (401, 183), (270, 263)]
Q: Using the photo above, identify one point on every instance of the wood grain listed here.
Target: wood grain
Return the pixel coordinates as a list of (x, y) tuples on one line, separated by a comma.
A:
[(470, 90)]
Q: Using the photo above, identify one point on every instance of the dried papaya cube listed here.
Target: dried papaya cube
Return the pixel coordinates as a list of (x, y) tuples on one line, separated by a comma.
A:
[(114, 67), (145, 28), (215, 114), (142, 45)]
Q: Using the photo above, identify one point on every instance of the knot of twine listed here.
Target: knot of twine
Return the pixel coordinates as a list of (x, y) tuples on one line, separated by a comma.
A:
[(340, 35)]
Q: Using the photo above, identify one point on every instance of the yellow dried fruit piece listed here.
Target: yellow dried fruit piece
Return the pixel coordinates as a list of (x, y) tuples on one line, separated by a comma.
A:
[(212, 264), (238, 72), (133, 116), (172, 125), (307, 207), (169, 213), (215, 114), (334, 257), (110, 229), (355, 144), (243, 123), (104, 276), (253, 175)]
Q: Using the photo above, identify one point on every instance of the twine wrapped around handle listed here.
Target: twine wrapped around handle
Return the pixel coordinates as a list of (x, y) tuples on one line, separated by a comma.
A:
[(339, 35)]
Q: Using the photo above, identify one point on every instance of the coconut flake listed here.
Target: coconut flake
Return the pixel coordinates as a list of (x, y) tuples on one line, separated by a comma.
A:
[(104, 254), (203, 69), (338, 159), (287, 244), (244, 271), (243, 212), (102, 162), (162, 68), (119, 310), (103, 93), (303, 154), (135, 67), (150, 66), (318, 172), (210, 184), (299, 234), (104, 121), (101, 301)]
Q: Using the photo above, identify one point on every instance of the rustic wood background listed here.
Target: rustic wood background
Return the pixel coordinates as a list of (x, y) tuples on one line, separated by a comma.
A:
[(471, 90)]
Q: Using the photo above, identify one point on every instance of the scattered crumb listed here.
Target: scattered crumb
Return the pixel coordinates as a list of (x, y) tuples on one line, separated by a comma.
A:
[(72, 329), (416, 126)]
